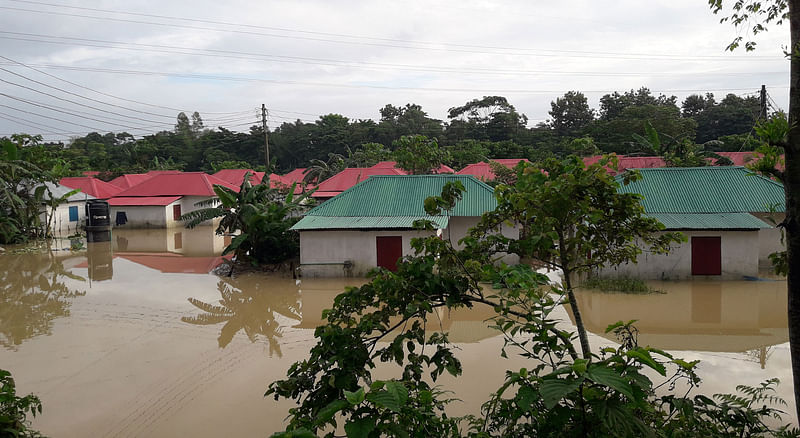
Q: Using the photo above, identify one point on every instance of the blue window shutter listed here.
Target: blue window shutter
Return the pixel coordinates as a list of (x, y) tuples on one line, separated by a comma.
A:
[(73, 214)]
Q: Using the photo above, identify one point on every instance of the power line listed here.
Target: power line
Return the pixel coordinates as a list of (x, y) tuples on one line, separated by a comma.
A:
[(217, 53), (383, 42), (384, 87), (102, 93), (72, 101)]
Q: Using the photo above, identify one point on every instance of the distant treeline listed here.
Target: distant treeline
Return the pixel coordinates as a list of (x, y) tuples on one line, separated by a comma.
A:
[(489, 127)]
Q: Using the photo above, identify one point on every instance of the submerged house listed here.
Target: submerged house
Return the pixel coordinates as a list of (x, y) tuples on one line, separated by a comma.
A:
[(160, 201), (726, 214), (370, 224), (68, 216)]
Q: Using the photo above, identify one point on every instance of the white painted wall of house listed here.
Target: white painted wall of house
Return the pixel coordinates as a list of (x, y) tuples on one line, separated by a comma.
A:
[(146, 216), (61, 224), (338, 246), (740, 253)]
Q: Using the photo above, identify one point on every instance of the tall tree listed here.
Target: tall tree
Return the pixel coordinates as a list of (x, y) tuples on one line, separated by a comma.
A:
[(612, 105), (759, 14), (570, 114), (419, 155), (490, 118)]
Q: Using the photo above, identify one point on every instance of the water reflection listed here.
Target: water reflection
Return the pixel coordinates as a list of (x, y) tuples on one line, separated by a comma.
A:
[(731, 316), (33, 293), (253, 304), (100, 260), (199, 241)]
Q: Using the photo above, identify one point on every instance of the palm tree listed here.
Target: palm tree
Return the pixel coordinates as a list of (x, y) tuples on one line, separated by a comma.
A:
[(319, 170)]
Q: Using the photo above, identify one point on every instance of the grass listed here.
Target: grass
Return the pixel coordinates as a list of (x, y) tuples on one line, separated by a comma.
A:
[(626, 285)]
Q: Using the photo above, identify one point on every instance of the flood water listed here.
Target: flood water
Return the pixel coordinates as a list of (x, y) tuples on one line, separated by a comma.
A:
[(137, 337)]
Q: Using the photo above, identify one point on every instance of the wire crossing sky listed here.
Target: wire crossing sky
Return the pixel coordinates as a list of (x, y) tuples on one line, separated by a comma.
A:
[(68, 67)]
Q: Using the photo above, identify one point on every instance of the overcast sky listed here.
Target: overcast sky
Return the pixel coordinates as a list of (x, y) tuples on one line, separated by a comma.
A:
[(70, 67)]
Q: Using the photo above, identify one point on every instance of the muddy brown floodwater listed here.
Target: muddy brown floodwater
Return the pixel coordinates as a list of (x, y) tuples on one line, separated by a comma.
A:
[(138, 338)]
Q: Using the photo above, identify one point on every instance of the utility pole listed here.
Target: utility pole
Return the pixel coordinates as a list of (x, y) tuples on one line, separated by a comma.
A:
[(266, 137), (763, 114)]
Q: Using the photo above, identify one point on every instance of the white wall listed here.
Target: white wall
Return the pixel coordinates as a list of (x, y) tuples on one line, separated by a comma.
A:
[(740, 253), (769, 239), (60, 222), (338, 246), (150, 216)]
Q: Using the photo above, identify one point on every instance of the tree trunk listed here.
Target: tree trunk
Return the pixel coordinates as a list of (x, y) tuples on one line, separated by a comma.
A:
[(792, 188), (583, 337)]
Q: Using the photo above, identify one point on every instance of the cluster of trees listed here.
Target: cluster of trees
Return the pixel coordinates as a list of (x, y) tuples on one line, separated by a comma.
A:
[(489, 127)]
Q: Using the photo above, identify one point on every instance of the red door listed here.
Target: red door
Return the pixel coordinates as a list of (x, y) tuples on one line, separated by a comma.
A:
[(390, 249), (706, 255), (176, 212)]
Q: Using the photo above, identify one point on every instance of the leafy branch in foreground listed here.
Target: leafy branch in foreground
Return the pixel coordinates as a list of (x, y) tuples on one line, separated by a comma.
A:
[(14, 410)]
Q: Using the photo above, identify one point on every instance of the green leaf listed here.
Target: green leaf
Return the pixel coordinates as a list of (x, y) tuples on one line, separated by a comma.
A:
[(392, 398), (553, 390), (355, 397), (360, 428), (235, 243), (526, 397), (325, 414), (644, 357), (610, 377)]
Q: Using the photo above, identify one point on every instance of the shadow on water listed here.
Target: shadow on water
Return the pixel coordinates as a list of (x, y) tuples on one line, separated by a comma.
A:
[(252, 304), (33, 293)]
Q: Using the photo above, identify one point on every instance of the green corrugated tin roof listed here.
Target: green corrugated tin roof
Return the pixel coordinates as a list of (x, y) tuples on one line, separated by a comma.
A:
[(709, 221), (710, 189), (379, 222), (396, 200)]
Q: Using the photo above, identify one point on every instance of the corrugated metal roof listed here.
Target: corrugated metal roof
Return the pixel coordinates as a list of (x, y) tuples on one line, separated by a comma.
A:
[(93, 186), (706, 190), (142, 200), (178, 184), (483, 170), (236, 176), (393, 165), (129, 180), (367, 222), (352, 176), (709, 221), (399, 197)]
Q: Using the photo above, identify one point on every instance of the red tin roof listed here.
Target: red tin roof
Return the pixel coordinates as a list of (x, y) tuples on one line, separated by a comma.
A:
[(483, 171), (178, 184), (393, 165), (295, 176), (142, 200), (236, 176), (92, 186), (348, 178), (129, 180)]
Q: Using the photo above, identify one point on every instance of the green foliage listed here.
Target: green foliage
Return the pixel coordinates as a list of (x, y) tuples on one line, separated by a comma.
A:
[(260, 214), (626, 285), (570, 115), (368, 155), (419, 155), (22, 194), (14, 410)]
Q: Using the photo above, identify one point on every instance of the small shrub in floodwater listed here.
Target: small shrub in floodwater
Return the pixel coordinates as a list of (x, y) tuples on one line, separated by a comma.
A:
[(625, 285)]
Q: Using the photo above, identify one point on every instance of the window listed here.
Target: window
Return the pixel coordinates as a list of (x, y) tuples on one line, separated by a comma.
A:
[(176, 212), (73, 214)]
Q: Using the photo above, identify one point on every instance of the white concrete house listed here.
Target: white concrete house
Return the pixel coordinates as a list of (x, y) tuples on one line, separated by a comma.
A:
[(69, 217), (370, 224), (722, 211), (160, 201)]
